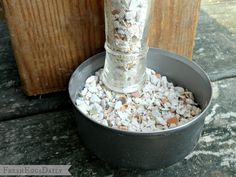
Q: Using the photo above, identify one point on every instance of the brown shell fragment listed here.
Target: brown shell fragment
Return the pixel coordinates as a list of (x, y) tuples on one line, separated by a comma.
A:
[(124, 107), (158, 75), (164, 100), (172, 120), (123, 99), (115, 11)]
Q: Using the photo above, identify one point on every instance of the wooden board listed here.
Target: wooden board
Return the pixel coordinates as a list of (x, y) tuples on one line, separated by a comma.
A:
[(52, 37), (1, 10), (174, 25), (14, 103)]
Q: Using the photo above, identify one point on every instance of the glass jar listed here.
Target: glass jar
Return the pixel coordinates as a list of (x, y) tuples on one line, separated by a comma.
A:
[(127, 24)]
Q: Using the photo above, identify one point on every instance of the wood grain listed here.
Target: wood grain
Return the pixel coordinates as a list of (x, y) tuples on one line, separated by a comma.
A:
[(52, 37), (174, 25)]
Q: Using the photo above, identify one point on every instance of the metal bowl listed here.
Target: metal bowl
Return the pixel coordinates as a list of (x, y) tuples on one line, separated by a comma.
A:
[(145, 150)]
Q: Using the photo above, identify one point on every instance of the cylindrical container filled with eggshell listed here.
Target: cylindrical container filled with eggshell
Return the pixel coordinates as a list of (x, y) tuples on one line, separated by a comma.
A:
[(127, 25), (151, 128)]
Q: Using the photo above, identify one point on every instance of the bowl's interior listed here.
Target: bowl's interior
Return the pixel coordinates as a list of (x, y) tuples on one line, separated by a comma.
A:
[(182, 72), (179, 70)]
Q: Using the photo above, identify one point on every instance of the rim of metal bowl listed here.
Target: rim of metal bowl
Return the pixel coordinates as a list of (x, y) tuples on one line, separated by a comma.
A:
[(179, 58)]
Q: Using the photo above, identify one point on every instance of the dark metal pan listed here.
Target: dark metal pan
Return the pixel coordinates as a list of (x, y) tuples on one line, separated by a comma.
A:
[(145, 150)]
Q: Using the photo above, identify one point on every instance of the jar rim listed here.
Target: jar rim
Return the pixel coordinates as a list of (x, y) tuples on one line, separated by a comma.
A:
[(143, 50)]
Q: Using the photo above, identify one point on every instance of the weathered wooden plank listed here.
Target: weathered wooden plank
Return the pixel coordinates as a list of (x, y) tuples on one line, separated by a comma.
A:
[(48, 139), (51, 37), (52, 139), (174, 25), (215, 49), (13, 103)]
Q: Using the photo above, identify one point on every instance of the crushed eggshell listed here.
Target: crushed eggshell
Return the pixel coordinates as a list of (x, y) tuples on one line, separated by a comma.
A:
[(158, 106)]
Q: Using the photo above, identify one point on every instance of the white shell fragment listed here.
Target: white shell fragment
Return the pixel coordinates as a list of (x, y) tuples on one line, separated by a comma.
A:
[(118, 105), (158, 106)]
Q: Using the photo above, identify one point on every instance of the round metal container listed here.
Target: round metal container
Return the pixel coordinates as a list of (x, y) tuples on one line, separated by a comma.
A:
[(145, 150)]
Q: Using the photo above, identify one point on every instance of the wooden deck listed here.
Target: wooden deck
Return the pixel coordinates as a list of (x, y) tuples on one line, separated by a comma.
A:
[(41, 130)]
